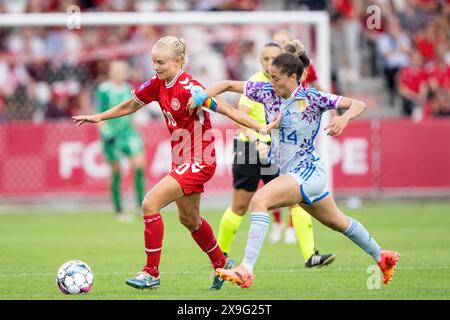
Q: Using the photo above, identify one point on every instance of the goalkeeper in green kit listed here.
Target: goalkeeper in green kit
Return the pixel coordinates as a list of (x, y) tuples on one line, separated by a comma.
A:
[(119, 137)]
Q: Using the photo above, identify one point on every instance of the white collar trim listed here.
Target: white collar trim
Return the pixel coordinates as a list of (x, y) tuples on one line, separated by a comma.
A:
[(168, 85)]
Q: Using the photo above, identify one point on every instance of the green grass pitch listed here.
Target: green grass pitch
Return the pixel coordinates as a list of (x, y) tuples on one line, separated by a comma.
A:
[(33, 245)]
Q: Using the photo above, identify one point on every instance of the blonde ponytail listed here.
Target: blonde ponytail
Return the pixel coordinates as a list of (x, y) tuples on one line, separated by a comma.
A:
[(176, 45)]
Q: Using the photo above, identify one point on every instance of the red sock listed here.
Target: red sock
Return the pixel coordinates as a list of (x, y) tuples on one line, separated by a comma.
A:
[(277, 216), (153, 236), (290, 225), (205, 239)]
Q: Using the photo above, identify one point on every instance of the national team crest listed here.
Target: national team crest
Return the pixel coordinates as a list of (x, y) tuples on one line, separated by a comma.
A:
[(301, 105), (175, 104)]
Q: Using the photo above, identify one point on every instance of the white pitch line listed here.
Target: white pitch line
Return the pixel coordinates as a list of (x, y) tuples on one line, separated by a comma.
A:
[(27, 274)]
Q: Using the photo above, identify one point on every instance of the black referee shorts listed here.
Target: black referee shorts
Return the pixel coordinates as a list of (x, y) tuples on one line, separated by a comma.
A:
[(248, 170)]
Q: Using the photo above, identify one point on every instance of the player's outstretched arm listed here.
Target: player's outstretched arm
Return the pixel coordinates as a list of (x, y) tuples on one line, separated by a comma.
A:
[(225, 86), (243, 119), (338, 123), (125, 108), (200, 95)]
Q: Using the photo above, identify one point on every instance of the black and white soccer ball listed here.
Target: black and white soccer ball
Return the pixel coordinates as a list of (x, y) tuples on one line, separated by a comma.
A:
[(74, 277)]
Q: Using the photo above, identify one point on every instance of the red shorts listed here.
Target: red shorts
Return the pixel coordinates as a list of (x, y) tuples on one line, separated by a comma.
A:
[(192, 176)]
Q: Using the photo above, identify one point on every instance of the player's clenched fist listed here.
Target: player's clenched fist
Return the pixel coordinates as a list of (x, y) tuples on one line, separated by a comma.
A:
[(337, 125), (198, 97)]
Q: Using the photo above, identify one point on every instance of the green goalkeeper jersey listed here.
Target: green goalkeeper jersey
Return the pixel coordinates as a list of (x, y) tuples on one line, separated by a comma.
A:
[(107, 96)]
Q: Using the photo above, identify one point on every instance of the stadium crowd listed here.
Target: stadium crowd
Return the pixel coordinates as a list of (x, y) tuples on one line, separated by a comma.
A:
[(51, 72)]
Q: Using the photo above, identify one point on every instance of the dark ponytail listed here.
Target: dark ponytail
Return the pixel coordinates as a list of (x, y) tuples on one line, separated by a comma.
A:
[(304, 59)]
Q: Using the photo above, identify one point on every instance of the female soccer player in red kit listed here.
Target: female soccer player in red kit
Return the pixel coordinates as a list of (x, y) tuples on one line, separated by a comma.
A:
[(193, 157)]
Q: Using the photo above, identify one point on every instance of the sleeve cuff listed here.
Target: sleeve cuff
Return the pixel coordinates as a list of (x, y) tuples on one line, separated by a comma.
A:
[(137, 99), (245, 89), (336, 102)]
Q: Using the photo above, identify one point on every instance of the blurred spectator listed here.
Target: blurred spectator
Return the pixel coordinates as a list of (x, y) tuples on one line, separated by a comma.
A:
[(140, 61), (63, 100), (249, 63), (35, 6), (439, 71), (371, 33), (233, 60), (27, 42), (411, 18), (350, 11), (90, 5), (305, 4), (426, 41), (245, 5), (59, 107), (40, 57), (439, 84), (393, 47), (438, 106), (127, 5), (429, 8), (205, 5), (442, 22), (224, 5), (282, 37), (163, 5), (336, 52), (15, 89), (412, 84)]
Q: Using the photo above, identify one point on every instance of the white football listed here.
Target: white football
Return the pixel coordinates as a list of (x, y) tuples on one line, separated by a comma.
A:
[(74, 277)]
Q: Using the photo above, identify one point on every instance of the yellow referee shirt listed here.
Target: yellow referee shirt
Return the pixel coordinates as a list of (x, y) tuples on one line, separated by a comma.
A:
[(256, 109)]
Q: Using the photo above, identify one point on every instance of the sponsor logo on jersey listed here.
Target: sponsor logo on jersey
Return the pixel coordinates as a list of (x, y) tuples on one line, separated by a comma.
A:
[(146, 83), (175, 104), (185, 81), (189, 86), (286, 120)]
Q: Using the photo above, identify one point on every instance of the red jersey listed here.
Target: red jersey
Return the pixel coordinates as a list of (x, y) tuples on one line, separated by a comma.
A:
[(413, 79), (310, 76), (426, 48), (189, 142), (345, 7), (441, 74)]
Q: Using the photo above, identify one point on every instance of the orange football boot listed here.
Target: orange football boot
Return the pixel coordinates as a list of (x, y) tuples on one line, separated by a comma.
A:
[(387, 264), (238, 275)]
